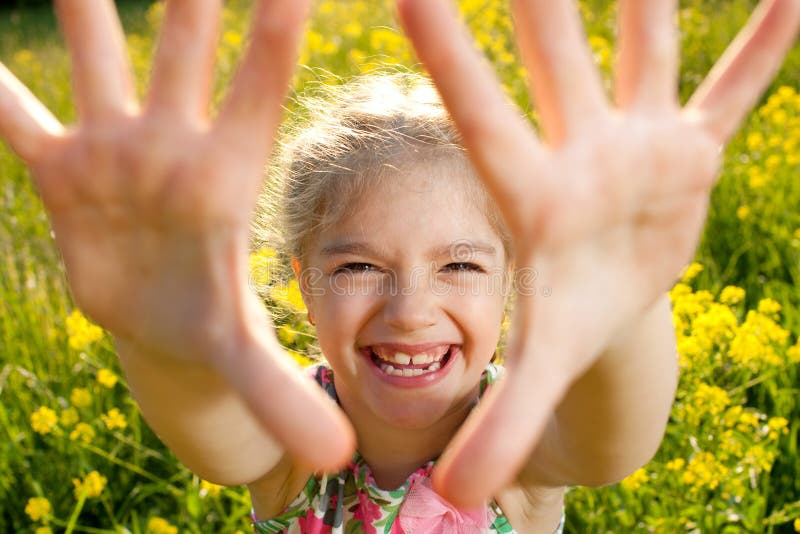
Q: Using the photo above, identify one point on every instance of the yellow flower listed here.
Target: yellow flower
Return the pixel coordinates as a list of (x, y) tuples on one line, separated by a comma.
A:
[(691, 271), (602, 51), (797, 525), (44, 420), (91, 486), (357, 57), (82, 332), (114, 419), (786, 92), (755, 141), (779, 117), (776, 426), (352, 29), (731, 295), (635, 479), (287, 334), (69, 417), (747, 421), (263, 265), (711, 399), (83, 432), (299, 358), (756, 340), (43, 530), (758, 177), (80, 397), (680, 290), (209, 488), (743, 212), (232, 38), (760, 458), (793, 353), (769, 307), (38, 508), (716, 326), (24, 57), (159, 525), (704, 471), (676, 464), (289, 296), (772, 163), (107, 378)]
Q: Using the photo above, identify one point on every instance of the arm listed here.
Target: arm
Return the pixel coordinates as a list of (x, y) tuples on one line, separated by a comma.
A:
[(612, 419), (199, 415)]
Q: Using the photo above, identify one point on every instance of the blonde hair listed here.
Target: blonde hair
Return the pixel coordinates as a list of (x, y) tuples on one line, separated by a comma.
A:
[(352, 137)]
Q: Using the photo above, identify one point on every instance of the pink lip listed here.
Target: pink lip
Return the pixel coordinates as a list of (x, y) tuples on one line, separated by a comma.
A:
[(412, 381)]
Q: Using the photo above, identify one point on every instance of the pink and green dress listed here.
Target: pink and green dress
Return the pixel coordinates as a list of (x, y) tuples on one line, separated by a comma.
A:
[(349, 502)]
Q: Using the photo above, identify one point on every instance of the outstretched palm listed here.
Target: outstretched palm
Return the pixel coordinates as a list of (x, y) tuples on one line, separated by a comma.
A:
[(606, 210), (151, 205)]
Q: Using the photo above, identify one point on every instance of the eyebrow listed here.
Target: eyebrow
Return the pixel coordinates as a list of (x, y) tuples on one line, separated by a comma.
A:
[(464, 247)]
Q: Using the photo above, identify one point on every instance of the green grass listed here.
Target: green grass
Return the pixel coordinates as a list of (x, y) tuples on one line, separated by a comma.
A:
[(760, 253)]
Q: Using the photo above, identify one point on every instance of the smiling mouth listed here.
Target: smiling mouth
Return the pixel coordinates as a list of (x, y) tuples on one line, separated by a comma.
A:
[(404, 365)]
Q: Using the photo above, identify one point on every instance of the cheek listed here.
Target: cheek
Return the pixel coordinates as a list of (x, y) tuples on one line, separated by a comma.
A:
[(481, 316), (340, 314)]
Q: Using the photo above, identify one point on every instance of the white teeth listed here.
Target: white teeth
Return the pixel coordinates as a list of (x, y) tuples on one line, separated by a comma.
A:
[(390, 370), (422, 359), (402, 359)]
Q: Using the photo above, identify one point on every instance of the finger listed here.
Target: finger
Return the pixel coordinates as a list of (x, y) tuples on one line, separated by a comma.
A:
[(566, 85), (286, 402), (24, 122), (740, 76), (101, 72), (495, 442), (185, 60), (252, 111), (647, 70), (498, 138)]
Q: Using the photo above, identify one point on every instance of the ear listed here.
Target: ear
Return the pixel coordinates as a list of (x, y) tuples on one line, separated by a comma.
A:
[(297, 268)]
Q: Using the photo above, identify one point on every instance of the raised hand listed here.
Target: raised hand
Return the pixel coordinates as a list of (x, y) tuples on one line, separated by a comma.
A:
[(151, 204), (607, 207)]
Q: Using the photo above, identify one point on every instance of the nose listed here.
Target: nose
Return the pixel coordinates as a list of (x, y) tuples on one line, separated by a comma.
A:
[(411, 306)]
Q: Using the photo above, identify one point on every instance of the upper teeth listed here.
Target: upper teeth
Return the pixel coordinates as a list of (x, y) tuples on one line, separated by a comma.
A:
[(402, 358)]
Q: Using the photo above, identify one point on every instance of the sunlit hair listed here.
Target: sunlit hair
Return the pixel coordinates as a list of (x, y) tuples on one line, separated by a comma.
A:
[(350, 138)]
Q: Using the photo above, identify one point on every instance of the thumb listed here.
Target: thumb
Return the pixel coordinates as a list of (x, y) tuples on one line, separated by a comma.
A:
[(292, 408)]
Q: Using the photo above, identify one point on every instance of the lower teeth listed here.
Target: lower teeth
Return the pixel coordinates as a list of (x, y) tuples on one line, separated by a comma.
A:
[(390, 370)]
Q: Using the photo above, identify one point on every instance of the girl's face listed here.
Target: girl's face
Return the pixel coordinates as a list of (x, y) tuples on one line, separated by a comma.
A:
[(407, 292)]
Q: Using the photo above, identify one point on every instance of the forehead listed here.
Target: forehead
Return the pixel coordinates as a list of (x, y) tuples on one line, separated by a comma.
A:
[(424, 206)]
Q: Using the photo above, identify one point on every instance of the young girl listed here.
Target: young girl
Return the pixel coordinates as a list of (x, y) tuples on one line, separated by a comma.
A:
[(404, 260)]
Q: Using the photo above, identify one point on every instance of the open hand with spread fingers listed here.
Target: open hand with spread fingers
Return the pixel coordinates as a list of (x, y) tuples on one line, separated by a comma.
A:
[(151, 203), (606, 206)]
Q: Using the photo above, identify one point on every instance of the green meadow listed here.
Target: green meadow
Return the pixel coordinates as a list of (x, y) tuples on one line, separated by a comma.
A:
[(76, 456)]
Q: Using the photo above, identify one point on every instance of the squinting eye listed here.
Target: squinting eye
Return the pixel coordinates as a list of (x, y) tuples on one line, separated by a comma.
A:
[(355, 267), (463, 266)]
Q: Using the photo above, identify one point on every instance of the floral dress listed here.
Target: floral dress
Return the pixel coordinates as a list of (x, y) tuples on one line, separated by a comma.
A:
[(350, 502)]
